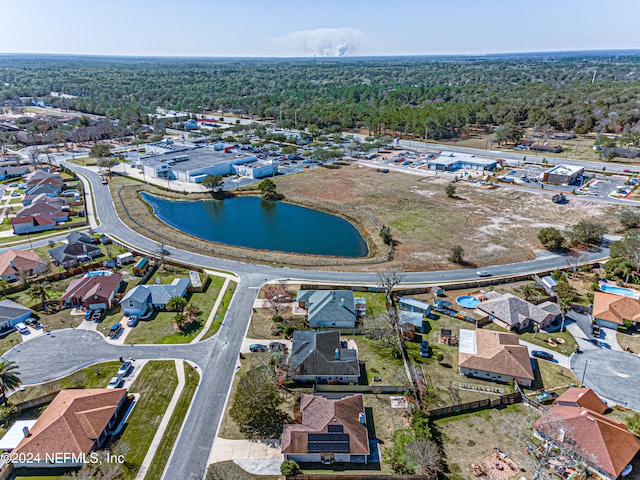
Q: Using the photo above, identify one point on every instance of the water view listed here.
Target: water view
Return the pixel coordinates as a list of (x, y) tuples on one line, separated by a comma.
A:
[(255, 223)]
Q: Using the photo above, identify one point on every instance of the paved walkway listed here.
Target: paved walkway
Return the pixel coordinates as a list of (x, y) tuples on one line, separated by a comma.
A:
[(225, 449), (213, 312), (163, 424)]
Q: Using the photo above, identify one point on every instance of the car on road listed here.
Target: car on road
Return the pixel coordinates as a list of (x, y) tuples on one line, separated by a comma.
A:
[(483, 273), (384, 170), (125, 368), (164, 251), (132, 321), (256, 347), (542, 355), (627, 171), (115, 382), (22, 328)]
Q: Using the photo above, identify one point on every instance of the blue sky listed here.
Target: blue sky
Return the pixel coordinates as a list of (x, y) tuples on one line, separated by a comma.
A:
[(284, 28)]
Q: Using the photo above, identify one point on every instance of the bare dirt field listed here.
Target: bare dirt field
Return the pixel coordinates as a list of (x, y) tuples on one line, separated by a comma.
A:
[(493, 226)]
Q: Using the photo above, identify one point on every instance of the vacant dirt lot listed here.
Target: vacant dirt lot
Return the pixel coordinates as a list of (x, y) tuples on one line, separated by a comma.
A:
[(493, 226)]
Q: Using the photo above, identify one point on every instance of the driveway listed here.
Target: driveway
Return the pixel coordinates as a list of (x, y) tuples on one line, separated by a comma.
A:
[(225, 449), (558, 359), (612, 374)]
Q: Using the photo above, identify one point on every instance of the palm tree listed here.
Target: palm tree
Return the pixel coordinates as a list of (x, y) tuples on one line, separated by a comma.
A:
[(565, 306), (192, 312), (176, 304), (179, 319), (9, 378), (529, 292), (38, 291)]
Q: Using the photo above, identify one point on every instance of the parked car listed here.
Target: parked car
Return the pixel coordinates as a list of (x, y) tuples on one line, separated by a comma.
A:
[(15, 194), (125, 368), (483, 273), (132, 321), (542, 354), (277, 347), (256, 347), (115, 382), (22, 328), (115, 330), (97, 315), (546, 397)]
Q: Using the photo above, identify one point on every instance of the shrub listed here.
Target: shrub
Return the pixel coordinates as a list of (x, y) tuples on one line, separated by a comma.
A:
[(288, 331), (439, 357), (421, 424), (289, 468)]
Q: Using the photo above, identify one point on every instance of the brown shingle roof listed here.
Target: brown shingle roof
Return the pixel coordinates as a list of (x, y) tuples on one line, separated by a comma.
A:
[(603, 442), (318, 413), (84, 288), (615, 308), (582, 397), (498, 352), (72, 422), (22, 260)]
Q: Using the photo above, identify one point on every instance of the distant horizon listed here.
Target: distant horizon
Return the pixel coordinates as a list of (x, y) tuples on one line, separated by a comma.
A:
[(331, 28), (630, 51)]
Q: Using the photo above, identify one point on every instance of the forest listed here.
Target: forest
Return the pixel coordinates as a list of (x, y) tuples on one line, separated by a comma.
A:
[(444, 97)]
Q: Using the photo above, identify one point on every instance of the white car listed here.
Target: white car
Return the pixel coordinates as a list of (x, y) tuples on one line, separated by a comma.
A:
[(22, 328), (483, 273), (115, 382)]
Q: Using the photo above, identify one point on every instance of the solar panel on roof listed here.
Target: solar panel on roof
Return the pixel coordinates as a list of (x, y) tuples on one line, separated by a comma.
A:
[(335, 429), (328, 442)]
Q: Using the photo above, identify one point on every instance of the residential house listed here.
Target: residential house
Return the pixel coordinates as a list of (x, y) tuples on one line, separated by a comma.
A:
[(54, 209), (50, 198), (74, 253), (330, 430), (32, 224), (321, 357), (39, 177), (412, 305), (141, 299), (93, 291), (577, 425), (74, 424), (12, 313), (514, 313), (611, 311), (41, 189), (495, 356), (14, 263), (12, 172), (80, 237), (328, 308)]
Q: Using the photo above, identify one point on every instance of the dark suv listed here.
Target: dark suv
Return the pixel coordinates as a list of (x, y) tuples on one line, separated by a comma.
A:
[(542, 354)]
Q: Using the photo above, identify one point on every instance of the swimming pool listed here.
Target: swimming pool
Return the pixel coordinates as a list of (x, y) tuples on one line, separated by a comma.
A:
[(626, 292), (467, 301), (99, 273)]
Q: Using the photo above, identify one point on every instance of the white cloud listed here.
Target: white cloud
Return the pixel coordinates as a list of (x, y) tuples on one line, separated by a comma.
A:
[(323, 42)]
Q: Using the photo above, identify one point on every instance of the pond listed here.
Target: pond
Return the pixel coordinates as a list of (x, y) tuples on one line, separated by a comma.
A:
[(260, 224)]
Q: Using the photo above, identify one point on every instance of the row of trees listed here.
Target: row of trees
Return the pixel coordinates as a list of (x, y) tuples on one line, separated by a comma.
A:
[(585, 233)]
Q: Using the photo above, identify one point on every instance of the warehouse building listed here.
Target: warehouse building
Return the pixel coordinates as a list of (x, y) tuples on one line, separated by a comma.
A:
[(563, 174), (194, 164), (452, 161)]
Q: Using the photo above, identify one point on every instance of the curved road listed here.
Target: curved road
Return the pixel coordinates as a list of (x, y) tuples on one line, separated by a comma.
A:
[(66, 351)]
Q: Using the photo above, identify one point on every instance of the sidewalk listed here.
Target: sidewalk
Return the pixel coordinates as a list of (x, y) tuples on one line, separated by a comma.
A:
[(214, 310), (163, 424)]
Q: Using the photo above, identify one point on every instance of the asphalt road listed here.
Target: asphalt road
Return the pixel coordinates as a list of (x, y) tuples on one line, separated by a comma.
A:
[(65, 351)]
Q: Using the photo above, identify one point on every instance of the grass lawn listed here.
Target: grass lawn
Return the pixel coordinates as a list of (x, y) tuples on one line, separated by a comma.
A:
[(470, 438), (549, 375), (155, 384), (631, 341), (230, 471), (222, 308), (376, 302), (94, 376), (541, 338), (9, 341), (160, 327), (228, 428), (192, 377), (262, 325), (378, 361)]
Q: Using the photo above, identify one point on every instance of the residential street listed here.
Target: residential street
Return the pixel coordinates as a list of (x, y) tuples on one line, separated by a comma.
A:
[(65, 351)]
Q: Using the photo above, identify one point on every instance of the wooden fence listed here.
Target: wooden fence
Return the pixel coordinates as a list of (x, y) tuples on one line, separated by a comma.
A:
[(38, 401), (359, 389), (478, 405)]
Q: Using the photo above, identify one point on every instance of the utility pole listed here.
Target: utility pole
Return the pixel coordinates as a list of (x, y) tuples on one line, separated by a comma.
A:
[(585, 372)]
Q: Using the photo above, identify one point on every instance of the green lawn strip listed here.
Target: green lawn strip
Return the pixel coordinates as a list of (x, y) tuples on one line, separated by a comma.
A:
[(631, 341), (155, 385), (376, 302), (8, 341), (94, 376), (163, 452), (222, 310)]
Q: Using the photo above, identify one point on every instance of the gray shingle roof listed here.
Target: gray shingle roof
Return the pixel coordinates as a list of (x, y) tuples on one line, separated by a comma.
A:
[(513, 310), (72, 250), (327, 305), (10, 310), (157, 294), (313, 353)]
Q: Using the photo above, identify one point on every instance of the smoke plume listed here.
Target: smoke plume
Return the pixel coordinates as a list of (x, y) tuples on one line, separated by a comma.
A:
[(323, 42)]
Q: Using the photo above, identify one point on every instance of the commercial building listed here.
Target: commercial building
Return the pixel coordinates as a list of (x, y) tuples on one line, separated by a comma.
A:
[(193, 163), (452, 161), (563, 174)]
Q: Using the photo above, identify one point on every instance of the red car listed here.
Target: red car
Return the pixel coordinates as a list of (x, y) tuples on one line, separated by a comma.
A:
[(628, 171)]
